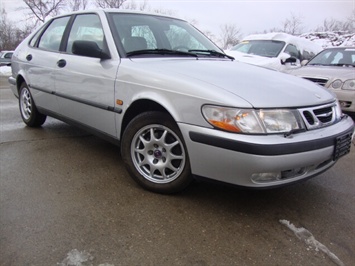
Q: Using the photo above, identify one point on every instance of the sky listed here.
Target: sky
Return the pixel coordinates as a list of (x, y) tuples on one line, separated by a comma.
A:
[(253, 16)]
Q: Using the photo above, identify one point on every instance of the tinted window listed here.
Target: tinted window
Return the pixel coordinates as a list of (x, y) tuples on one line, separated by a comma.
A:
[(86, 28), (51, 38)]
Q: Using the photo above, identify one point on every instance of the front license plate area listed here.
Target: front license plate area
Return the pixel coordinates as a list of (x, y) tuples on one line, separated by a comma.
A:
[(342, 146)]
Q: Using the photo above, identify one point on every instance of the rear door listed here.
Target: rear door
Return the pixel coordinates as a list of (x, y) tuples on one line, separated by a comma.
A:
[(85, 85), (40, 63)]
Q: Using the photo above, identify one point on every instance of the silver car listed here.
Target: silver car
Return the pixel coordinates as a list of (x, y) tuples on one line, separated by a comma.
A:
[(333, 68), (178, 106)]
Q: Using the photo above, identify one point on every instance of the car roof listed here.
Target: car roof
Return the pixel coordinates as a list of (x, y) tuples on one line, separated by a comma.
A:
[(115, 10)]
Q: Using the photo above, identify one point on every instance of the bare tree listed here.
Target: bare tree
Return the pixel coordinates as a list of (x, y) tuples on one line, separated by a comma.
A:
[(293, 25), (133, 5), (351, 21), (76, 5), (230, 35), (110, 3), (337, 25), (11, 34), (41, 9)]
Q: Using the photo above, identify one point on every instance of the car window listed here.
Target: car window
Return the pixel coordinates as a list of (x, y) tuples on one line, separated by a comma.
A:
[(179, 38), (86, 27), (144, 32), (339, 57), (292, 51), (8, 55), (141, 32), (34, 38), (51, 38), (266, 48)]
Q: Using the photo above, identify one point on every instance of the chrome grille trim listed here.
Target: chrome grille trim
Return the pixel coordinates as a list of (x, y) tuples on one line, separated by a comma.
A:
[(319, 116), (320, 81)]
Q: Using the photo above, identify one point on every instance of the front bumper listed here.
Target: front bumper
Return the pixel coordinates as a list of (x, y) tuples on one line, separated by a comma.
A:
[(346, 99), (251, 160)]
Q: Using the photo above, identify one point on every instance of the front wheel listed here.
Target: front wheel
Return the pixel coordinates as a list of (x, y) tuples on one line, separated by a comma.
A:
[(28, 109), (155, 154)]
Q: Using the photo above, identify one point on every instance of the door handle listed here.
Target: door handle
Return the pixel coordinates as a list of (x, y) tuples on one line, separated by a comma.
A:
[(61, 63), (29, 57)]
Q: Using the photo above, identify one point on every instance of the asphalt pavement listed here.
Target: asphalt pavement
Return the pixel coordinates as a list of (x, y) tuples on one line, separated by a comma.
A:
[(66, 199)]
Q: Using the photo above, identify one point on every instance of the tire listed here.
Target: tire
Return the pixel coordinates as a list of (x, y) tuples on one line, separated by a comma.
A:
[(28, 109), (160, 164)]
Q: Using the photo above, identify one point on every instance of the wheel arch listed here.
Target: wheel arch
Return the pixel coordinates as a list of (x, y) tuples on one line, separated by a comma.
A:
[(141, 106), (19, 80)]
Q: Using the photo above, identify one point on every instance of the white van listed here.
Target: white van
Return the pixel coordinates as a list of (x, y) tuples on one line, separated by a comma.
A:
[(279, 51)]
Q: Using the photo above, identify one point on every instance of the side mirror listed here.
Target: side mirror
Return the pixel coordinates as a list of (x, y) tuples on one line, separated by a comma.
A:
[(286, 58), (89, 49)]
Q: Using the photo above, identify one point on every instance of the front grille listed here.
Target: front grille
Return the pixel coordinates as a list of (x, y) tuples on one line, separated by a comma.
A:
[(320, 81), (325, 115), (320, 116)]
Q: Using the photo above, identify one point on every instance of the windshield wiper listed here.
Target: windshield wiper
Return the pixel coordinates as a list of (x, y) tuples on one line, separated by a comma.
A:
[(160, 52), (213, 53)]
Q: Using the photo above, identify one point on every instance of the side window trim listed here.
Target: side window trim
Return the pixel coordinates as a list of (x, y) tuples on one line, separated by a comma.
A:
[(45, 28), (66, 34)]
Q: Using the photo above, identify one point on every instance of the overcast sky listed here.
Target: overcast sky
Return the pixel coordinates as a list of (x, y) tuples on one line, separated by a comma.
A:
[(249, 16)]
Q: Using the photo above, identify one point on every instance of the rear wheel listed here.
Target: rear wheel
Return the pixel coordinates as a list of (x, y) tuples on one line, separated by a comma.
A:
[(155, 154), (28, 109)]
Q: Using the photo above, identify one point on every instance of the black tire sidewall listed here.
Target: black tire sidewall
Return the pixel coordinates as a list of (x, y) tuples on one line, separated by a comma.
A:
[(142, 120), (36, 119)]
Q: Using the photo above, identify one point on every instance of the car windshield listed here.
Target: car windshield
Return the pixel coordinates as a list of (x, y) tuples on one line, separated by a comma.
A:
[(335, 57), (265, 48), (146, 35)]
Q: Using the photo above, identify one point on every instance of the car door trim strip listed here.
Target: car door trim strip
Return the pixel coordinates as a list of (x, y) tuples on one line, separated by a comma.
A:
[(79, 100)]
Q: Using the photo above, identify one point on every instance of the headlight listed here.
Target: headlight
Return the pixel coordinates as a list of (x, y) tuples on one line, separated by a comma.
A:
[(349, 85), (252, 121), (336, 84)]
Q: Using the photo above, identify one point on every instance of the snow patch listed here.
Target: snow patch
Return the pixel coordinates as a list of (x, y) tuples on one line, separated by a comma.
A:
[(79, 258), (331, 39), (76, 258), (307, 237), (5, 71)]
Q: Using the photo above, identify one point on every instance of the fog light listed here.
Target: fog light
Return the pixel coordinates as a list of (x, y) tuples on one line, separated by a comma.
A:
[(265, 177)]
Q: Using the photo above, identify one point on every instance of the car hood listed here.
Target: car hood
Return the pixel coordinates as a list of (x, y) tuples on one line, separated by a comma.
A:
[(327, 72), (221, 79), (268, 62)]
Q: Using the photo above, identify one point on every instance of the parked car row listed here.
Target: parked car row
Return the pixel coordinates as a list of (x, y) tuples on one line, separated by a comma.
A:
[(332, 68), (176, 103)]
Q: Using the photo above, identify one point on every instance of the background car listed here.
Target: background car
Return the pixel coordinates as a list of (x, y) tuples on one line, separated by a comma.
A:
[(5, 58), (175, 103), (278, 51), (333, 68)]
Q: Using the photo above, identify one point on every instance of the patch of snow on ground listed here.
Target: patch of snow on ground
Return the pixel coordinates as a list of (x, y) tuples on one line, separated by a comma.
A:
[(307, 237), (76, 258), (5, 71), (79, 258)]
